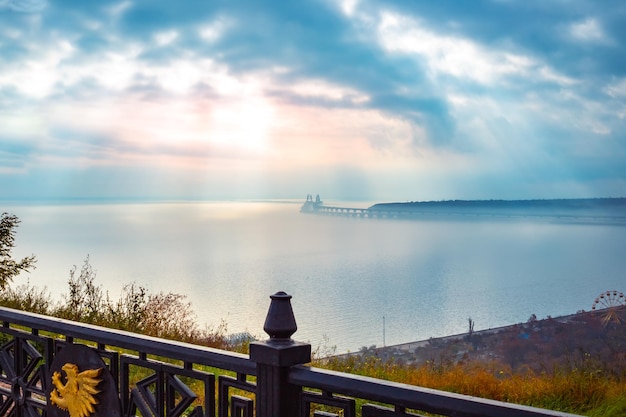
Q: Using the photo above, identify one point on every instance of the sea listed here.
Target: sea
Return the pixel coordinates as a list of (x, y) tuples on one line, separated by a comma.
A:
[(355, 282)]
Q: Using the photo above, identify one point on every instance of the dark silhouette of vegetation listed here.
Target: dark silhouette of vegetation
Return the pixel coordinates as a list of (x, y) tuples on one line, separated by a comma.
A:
[(9, 267), (616, 205)]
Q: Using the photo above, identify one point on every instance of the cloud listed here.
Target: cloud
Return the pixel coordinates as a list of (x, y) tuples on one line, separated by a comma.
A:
[(617, 88), (588, 30), (23, 6), (370, 90), (443, 54), (213, 30), (165, 38), (118, 9)]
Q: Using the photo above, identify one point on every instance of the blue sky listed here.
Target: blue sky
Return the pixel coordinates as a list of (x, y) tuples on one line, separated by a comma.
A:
[(354, 99)]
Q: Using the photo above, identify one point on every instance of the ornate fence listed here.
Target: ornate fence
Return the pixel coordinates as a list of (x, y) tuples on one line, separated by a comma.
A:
[(46, 370)]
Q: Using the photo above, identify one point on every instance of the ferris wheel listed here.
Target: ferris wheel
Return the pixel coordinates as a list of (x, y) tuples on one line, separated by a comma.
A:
[(611, 305)]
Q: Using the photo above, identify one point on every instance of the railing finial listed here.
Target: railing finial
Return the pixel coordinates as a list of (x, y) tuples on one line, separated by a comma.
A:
[(280, 323), (275, 394)]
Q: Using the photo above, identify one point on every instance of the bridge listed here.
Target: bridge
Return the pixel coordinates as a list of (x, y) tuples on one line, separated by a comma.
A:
[(127, 374), (317, 207), (400, 211)]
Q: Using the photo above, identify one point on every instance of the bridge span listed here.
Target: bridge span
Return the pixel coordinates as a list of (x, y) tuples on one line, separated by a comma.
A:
[(316, 206)]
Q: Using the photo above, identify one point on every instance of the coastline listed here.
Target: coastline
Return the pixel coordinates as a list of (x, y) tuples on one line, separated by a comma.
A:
[(536, 335)]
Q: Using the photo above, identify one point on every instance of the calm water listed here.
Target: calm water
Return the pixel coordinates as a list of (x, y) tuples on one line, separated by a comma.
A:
[(424, 277)]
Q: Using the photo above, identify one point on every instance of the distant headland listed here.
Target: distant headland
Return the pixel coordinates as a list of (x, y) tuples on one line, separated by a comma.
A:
[(593, 210)]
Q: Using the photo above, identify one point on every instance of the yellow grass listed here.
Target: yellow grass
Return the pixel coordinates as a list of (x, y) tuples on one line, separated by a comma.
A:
[(579, 391)]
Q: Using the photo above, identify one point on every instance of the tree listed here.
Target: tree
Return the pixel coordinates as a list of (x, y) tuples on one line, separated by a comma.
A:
[(9, 268)]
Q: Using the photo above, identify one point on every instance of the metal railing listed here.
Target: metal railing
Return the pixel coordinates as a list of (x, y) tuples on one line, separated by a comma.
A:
[(157, 377)]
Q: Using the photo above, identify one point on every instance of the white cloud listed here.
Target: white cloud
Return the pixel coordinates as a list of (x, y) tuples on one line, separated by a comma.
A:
[(37, 76), (119, 8), (180, 76), (588, 30), (456, 56), (600, 128), (46, 69), (548, 74), (349, 6), (617, 89), (116, 71), (214, 30), (445, 54), (165, 38), (328, 91)]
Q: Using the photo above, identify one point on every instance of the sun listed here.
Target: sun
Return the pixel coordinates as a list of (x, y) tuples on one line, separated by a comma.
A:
[(242, 124)]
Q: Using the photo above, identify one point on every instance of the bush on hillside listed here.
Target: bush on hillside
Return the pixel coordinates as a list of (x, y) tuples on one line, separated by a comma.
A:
[(165, 315), (27, 298)]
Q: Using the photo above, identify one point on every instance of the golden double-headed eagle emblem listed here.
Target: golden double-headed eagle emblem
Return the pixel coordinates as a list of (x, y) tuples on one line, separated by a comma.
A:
[(77, 395)]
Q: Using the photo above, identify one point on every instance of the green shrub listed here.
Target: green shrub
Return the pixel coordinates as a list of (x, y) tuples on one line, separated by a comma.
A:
[(28, 298)]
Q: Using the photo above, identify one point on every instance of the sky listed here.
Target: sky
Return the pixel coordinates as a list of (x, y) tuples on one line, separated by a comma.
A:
[(354, 99)]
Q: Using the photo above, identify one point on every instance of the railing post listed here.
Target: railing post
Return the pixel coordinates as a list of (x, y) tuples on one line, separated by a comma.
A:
[(275, 397)]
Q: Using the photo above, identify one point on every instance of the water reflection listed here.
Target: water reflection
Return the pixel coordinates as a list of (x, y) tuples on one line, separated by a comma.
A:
[(425, 277)]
